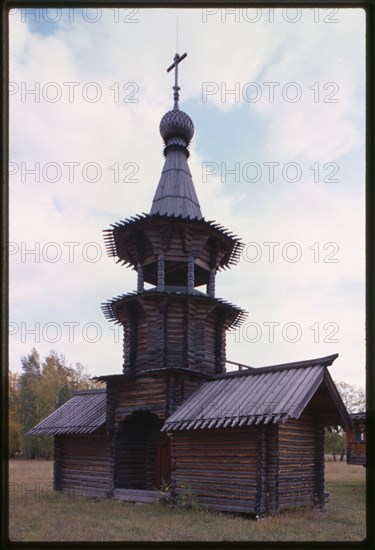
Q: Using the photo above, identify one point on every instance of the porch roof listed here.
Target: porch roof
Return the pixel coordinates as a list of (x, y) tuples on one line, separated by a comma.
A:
[(267, 395), (84, 413)]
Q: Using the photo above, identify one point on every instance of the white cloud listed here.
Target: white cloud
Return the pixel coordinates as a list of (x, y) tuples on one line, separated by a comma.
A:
[(109, 132)]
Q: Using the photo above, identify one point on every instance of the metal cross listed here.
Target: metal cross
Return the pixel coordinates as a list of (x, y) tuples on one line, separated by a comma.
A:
[(177, 59)]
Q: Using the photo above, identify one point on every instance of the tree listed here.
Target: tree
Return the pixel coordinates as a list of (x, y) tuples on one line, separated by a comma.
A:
[(354, 397), (14, 424), (335, 442), (14, 396), (37, 392), (27, 412)]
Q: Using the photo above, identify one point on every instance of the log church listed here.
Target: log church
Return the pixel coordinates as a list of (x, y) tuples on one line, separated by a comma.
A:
[(249, 441)]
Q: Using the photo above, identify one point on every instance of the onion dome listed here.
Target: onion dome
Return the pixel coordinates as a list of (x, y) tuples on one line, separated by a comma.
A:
[(176, 129)]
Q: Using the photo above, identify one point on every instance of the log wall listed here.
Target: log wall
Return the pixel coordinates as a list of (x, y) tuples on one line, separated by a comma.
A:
[(218, 466), (356, 442), (84, 463), (164, 330), (160, 393), (267, 502), (301, 462), (148, 393), (257, 470)]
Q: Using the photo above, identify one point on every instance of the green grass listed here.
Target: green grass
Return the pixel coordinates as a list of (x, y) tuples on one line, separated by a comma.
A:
[(37, 513)]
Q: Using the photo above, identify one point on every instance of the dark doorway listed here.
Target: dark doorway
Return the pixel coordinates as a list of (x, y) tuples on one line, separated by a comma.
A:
[(139, 461)]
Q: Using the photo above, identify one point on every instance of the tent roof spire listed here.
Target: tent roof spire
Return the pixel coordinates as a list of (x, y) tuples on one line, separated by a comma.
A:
[(175, 194)]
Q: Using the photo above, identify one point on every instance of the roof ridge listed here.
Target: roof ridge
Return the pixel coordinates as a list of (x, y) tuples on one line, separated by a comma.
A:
[(318, 362)]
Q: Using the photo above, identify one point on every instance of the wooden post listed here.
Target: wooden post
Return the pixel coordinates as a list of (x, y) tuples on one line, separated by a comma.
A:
[(272, 469), (319, 463), (57, 465), (190, 276), (220, 344), (112, 466), (211, 284), (173, 484), (186, 335), (277, 468), (130, 340), (161, 273), (167, 396), (258, 496), (140, 279), (165, 309), (111, 407), (261, 484)]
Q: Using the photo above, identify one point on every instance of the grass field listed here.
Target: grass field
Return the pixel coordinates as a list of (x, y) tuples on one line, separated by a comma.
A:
[(37, 513)]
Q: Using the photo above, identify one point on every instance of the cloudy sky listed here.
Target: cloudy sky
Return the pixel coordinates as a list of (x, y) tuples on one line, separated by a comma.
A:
[(277, 99)]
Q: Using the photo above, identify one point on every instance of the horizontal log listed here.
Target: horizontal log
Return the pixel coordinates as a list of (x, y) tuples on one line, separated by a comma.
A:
[(86, 491), (88, 471), (84, 458), (236, 493), (209, 437), (212, 461), (185, 476), (224, 470), (85, 477), (292, 503), (222, 504)]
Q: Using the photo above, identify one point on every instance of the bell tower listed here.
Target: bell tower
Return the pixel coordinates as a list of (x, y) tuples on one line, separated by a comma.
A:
[(177, 323)]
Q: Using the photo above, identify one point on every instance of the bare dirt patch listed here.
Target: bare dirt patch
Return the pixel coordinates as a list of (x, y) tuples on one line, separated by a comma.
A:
[(336, 470)]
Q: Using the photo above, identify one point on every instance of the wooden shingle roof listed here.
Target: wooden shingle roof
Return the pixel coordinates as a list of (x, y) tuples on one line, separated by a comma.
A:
[(113, 237), (257, 396), (175, 194), (110, 307), (84, 413)]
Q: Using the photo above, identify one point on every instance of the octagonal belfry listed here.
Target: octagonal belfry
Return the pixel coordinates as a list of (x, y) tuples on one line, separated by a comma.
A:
[(173, 324)]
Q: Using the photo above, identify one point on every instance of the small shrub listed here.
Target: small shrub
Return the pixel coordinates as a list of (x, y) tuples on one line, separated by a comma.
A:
[(184, 500)]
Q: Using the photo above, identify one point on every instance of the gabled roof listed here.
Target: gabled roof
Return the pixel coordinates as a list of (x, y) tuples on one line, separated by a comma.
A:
[(82, 414), (266, 395)]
